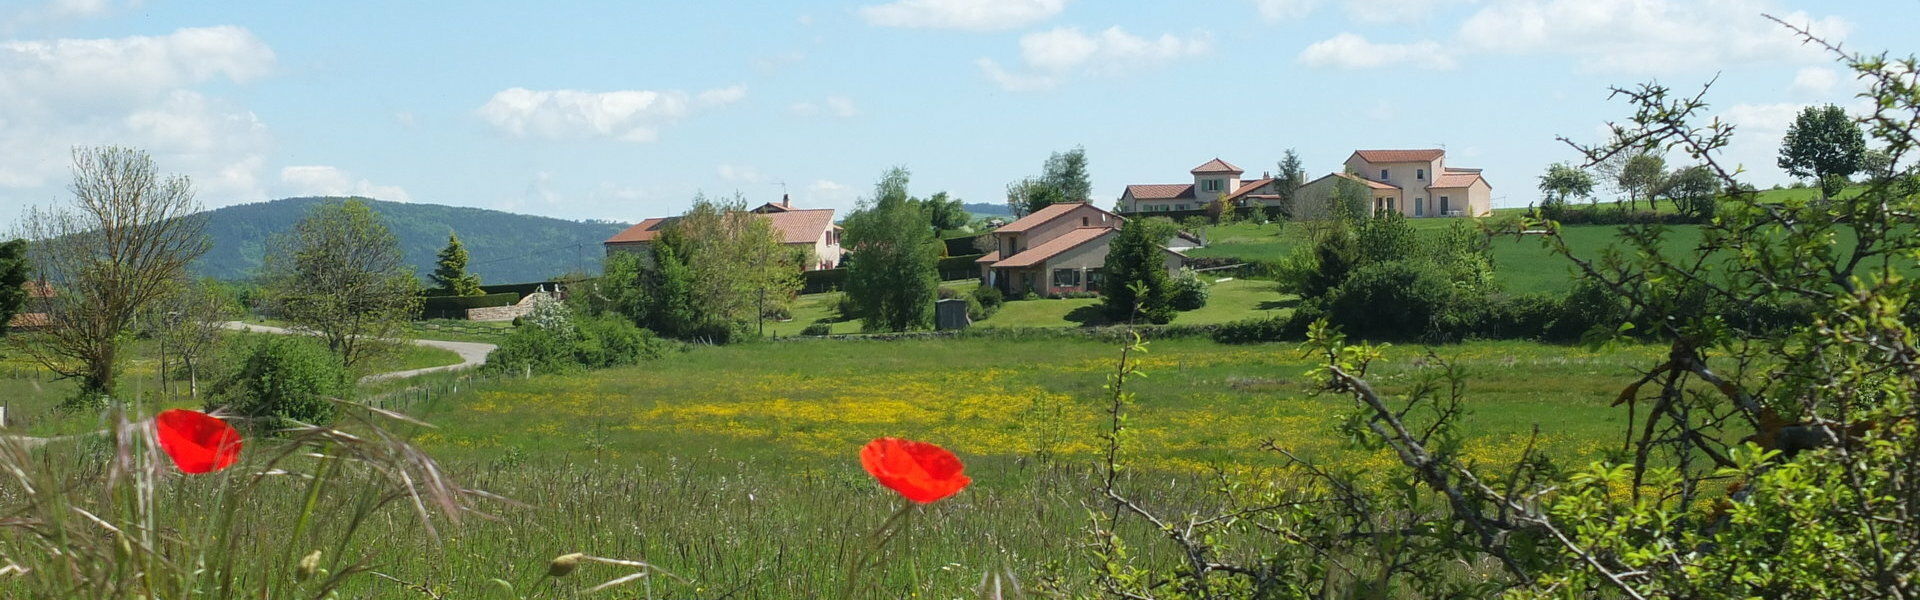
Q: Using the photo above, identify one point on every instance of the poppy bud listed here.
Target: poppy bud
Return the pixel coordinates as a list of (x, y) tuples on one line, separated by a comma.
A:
[(308, 565), (563, 565)]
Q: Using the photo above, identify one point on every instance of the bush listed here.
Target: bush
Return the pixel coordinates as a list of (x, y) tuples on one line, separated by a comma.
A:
[(1253, 331), (989, 297), (576, 343), (1189, 291), (281, 379), (844, 309), (946, 293), (820, 327), (610, 341), (1390, 300)]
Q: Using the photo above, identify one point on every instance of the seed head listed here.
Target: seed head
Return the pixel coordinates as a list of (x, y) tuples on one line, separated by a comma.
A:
[(308, 565), (563, 565)]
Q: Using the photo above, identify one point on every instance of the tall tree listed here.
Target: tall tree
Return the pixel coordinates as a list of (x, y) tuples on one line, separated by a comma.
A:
[(946, 213), (892, 274), (1289, 179), (1824, 144), (450, 271), (1640, 176), (1136, 273), (717, 269), (14, 271), (1695, 190), (340, 274), (1563, 182), (129, 235), (1062, 179)]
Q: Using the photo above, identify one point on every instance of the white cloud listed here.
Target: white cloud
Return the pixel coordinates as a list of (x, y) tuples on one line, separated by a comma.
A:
[(826, 193), (1815, 81), (1285, 10), (971, 15), (1351, 51), (778, 62), (1649, 36), (135, 91), (1052, 55), (628, 115), (319, 180), (62, 10), (1393, 11), (836, 106), (742, 174), (407, 119)]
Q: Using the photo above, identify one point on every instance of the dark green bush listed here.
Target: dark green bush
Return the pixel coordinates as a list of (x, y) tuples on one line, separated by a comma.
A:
[(282, 379), (579, 343), (821, 327), (1390, 300), (990, 297)]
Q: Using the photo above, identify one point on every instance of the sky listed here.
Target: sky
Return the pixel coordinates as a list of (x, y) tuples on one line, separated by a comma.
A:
[(627, 110)]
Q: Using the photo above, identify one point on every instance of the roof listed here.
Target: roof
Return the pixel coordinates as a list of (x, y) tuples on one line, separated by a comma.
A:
[(38, 289), (801, 226), (796, 226), (28, 321), (990, 257), (1043, 215), (1217, 166), (1456, 180), (1394, 156), (642, 232), (1051, 248), (1161, 191), (1248, 186)]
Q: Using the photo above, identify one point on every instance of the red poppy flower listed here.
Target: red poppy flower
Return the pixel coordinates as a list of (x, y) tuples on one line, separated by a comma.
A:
[(197, 443), (920, 471)]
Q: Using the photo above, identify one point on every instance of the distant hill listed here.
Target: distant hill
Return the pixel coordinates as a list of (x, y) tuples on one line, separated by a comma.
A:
[(504, 247), (988, 209)]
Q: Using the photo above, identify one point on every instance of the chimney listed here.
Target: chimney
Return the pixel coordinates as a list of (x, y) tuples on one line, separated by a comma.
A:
[(1266, 174), (786, 201)]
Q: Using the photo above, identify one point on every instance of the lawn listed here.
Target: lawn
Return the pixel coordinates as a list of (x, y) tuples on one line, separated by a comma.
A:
[(1228, 301)]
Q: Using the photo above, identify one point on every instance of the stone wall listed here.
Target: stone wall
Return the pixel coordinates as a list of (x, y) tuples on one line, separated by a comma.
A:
[(508, 313)]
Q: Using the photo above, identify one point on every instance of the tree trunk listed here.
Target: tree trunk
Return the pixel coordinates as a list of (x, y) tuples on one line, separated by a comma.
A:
[(99, 378)]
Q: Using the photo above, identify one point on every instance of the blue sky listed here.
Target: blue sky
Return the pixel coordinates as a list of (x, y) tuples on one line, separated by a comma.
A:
[(624, 110)]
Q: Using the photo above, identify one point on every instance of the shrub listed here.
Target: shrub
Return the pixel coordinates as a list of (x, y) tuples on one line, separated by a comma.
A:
[(989, 297), (820, 327), (609, 341), (1253, 331), (576, 343), (1390, 300), (946, 293), (281, 379), (844, 308), (1189, 291)]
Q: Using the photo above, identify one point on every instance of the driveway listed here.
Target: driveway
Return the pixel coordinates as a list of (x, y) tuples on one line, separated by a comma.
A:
[(472, 354)]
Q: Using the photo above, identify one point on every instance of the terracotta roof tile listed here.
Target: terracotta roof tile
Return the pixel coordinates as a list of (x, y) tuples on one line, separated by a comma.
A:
[(1393, 156), (1248, 186), (1043, 215), (993, 256), (641, 232), (28, 321), (1161, 191), (1455, 180), (1216, 166), (1051, 248), (796, 226)]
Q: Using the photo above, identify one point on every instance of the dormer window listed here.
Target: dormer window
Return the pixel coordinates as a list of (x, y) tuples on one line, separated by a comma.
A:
[(1209, 185)]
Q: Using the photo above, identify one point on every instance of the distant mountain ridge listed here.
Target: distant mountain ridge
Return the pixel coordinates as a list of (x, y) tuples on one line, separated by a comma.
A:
[(503, 247), (987, 209)]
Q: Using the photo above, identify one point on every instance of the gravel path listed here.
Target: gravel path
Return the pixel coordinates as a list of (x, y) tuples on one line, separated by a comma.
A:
[(472, 354)]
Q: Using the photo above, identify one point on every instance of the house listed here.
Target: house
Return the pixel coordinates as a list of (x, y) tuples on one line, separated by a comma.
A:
[(1058, 249), (1212, 181), (809, 228), (36, 290), (1415, 183)]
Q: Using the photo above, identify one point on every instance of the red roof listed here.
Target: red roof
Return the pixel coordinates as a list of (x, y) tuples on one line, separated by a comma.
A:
[(801, 226), (1161, 191), (28, 321), (38, 289), (1455, 180), (1043, 215), (1396, 156), (796, 226), (993, 256), (1217, 166), (641, 232), (1247, 187), (1051, 248)]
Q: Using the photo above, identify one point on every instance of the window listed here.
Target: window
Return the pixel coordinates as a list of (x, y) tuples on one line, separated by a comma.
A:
[(1083, 221), (1209, 185), (1383, 174), (1420, 174), (1443, 205), (1094, 277), (1179, 207), (1066, 278), (1419, 207)]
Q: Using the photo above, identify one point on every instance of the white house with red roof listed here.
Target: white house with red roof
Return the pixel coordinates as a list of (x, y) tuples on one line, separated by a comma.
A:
[(1212, 181), (1058, 249), (1415, 183), (810, 228)]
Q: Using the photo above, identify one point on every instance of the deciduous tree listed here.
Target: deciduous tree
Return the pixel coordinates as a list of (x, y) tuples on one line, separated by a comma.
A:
[(130, 234), (340, 274), (892, 274), (1825, 144)]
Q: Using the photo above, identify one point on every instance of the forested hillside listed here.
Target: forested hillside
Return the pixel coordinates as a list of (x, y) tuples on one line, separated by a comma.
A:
[(505, 247)]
